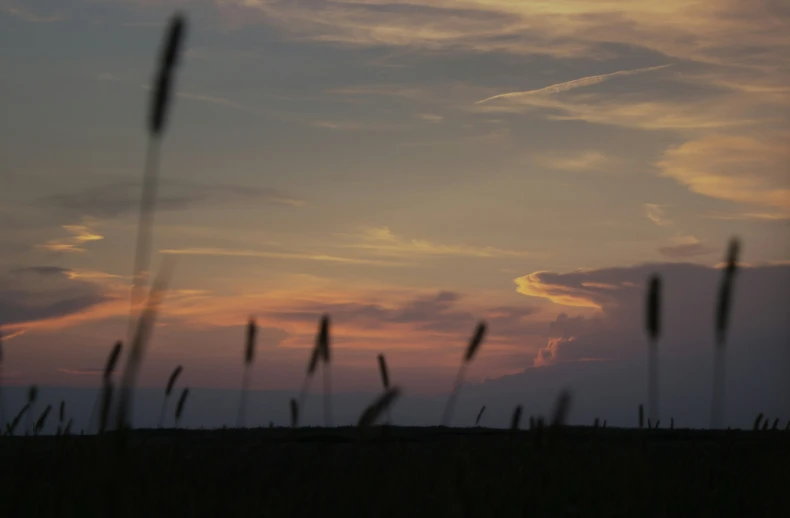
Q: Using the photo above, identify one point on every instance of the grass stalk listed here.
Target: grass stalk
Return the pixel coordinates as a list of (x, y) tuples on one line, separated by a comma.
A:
[(469, 354), (171, 382), (249, 356), (653, 326), (723, 303)]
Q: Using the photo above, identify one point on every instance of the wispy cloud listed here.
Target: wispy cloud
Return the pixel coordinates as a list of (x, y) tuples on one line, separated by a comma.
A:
[(431, 117), (655, 213), (586, 160), (121, 198), (570, 85), (232, 252), (741, 169), (685, 247), (747, 216), (382, 241), (28, 16), (347, 125), (80, 234)]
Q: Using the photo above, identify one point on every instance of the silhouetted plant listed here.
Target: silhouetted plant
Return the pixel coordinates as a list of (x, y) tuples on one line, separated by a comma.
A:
[(171, 382), (480, 415), (249, 356), (723, 304), (385, 380), (378, 407), (653, 326), (516, 419), (145, 326), (180, 406), (160, 104), (42, 420), (471, 350)]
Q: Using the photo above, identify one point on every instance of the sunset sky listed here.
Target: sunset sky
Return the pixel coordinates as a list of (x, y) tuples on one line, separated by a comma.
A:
[(410, 167)]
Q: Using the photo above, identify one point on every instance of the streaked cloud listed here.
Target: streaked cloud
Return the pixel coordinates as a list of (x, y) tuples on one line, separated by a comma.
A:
[(382, 241), (231, 252), (13, 9), (577, 161), (570, 85), (80, 234), (121, 198), (685, 247), (431, 117)]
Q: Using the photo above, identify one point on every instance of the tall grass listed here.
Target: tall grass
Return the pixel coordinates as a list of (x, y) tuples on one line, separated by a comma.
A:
[(32, 395), (171, 382), (321, 353), (249, 356), (378, 407), (653, 327), (2, 380), (142, 335), (515, 419), (480, 415), (723, 304), (471, 350), (42, 420), (180, 406), (385, 380), (157, 120)]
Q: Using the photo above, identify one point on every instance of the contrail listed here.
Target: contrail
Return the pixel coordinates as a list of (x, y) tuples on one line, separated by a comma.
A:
[(576, 83)]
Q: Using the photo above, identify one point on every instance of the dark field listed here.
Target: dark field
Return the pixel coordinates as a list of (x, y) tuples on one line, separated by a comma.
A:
[(399, 472)]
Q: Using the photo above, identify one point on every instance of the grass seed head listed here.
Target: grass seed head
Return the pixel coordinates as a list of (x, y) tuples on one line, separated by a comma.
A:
[(294, 413), (249, 351), (724, 300), (322, 342), (385, 377), (516, 419), (181, 402), (474, 344), (42, 419), (561, 409), (160, 100), (479, 415), (112, 360), (171, 382), (653, 306)]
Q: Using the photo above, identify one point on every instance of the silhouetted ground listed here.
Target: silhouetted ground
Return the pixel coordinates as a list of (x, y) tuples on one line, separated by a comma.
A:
[(399, 472)]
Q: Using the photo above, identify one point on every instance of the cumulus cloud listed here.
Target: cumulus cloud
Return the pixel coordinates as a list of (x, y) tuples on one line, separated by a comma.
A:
[(688, 302)]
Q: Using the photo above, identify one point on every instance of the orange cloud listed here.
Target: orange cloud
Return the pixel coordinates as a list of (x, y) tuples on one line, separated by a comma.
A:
[(533, 285), (80, 234)]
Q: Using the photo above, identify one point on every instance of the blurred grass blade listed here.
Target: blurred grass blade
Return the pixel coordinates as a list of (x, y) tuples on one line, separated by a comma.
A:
[(142, 335), (378, 407)]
